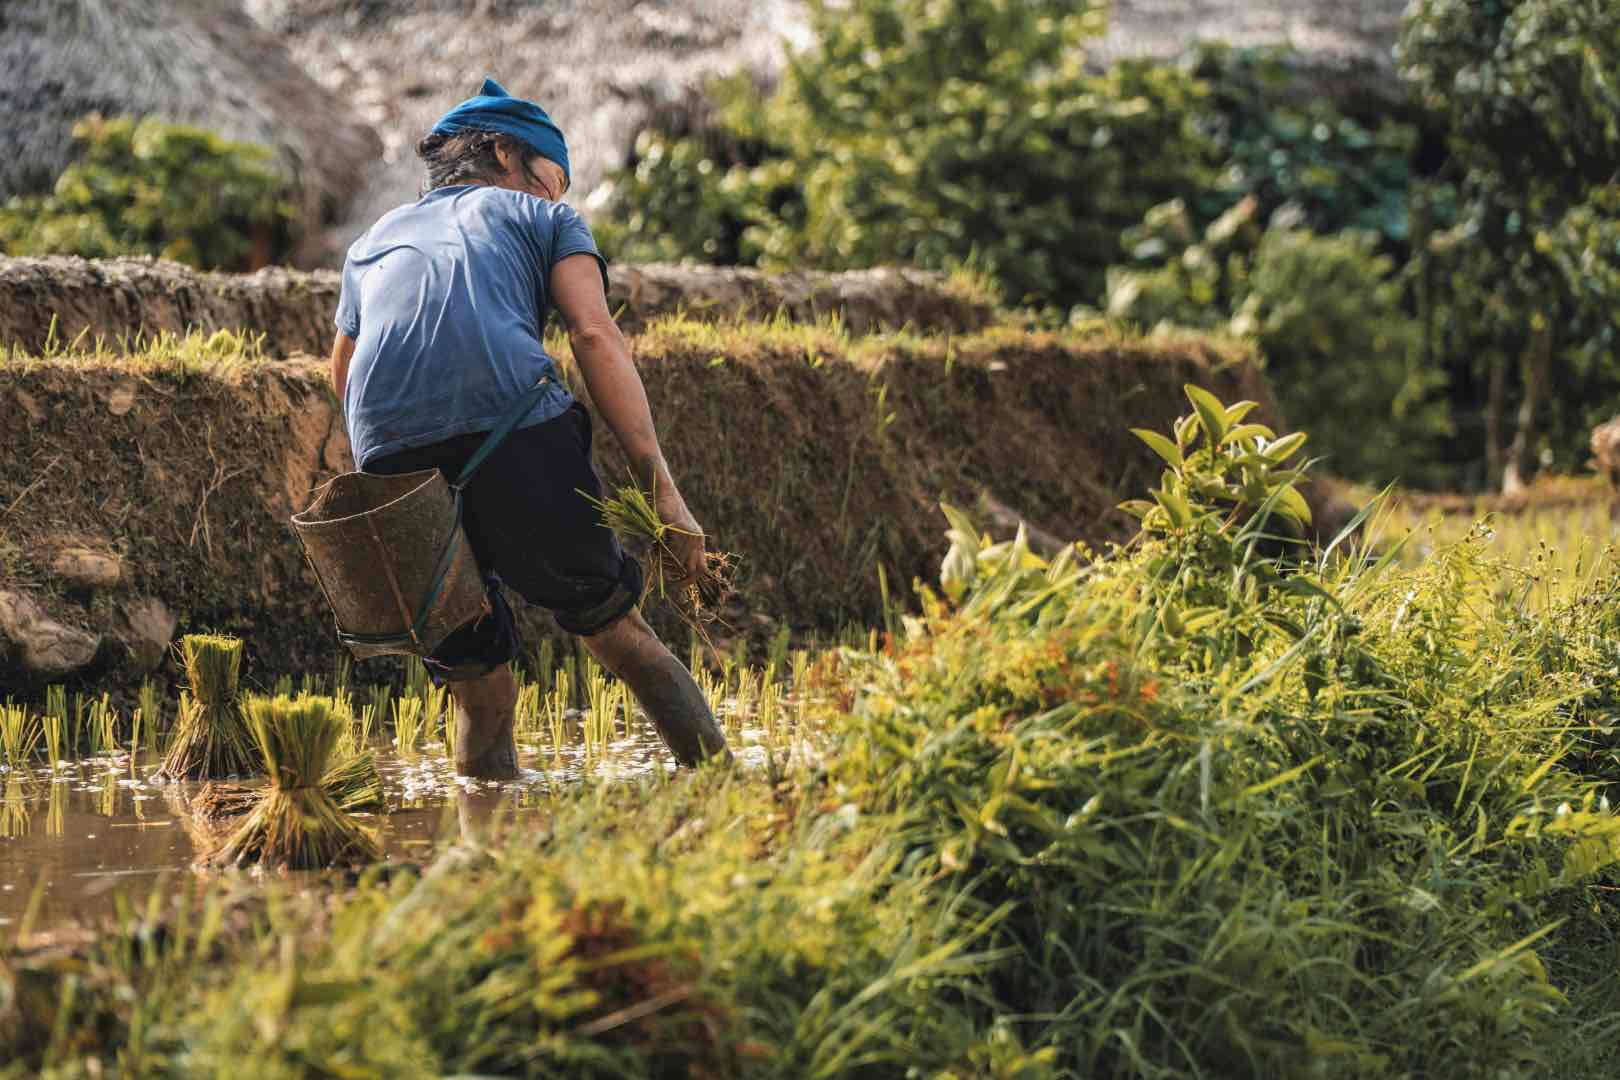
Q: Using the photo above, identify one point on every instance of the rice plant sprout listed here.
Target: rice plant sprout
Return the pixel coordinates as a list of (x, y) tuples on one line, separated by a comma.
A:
[(20, 732), (297, 825), (210, 739), (632, 515)]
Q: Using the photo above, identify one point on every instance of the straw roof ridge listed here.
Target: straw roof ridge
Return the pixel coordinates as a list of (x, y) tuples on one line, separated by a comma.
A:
[(202, 62)]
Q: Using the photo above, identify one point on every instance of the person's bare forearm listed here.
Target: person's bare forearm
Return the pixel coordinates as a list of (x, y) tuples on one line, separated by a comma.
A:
[(616, 389), (342, 353)]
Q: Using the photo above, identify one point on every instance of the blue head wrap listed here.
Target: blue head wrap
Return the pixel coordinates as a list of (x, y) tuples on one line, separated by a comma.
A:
[(496, 110)]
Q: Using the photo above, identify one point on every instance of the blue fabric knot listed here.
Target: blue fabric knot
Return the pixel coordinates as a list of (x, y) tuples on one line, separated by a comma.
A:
[(493, 109)]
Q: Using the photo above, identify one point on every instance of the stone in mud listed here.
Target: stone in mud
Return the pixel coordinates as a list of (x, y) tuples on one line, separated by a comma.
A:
[(121, 399), (146, 627), (86, 568), (37, 643)]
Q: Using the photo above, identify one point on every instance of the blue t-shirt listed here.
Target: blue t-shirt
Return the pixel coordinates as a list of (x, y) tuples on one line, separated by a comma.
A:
[(447, 300)]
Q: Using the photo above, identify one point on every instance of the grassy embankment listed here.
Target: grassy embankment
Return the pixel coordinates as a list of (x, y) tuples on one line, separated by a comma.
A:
[(1188, 808), (818, 455)]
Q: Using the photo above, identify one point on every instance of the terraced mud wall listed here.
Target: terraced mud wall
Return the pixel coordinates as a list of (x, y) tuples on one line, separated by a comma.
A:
[(143, 497)]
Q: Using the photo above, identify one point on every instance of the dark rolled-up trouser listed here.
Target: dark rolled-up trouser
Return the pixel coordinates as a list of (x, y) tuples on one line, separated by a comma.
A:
[(531, 529)]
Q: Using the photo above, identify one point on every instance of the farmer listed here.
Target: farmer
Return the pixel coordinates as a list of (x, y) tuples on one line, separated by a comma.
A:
[(440, 323)]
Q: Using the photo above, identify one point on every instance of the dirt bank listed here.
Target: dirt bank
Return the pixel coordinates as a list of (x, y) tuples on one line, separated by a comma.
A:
[(60, 299), (145, 497)]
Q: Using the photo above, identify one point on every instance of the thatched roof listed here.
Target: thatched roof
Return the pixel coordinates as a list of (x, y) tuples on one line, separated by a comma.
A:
[(201, 62), (605, 68), (600, 67)]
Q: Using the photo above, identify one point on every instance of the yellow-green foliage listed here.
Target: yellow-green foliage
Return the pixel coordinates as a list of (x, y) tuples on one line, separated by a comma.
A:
[(146, 187), (1213, 804)]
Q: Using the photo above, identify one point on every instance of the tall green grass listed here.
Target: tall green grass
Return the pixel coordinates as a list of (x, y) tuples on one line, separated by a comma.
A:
[(1213, 804)]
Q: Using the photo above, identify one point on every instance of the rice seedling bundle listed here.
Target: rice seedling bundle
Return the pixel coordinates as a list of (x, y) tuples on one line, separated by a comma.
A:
[(210, 738), (352, 782), (297, 825), (631, 514)]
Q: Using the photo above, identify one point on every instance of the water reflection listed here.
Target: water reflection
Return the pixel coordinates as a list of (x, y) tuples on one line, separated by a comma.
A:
[(82, 833)]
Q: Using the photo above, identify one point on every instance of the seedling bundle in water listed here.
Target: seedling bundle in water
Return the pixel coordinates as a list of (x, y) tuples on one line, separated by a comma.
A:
[(297, 825), (210, 738), (632, 515)]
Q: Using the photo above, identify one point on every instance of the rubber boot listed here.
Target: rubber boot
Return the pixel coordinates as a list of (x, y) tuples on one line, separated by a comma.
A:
[(486, 708)]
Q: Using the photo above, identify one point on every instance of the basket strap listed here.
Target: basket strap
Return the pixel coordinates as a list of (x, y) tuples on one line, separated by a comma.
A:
[(498, 434)]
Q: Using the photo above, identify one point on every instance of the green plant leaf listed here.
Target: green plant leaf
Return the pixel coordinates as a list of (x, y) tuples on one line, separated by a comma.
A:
[(1210, 411), (1175, 506), (1292, 503), (1238, 410), (1249, 431), (1161, 446), (1285, 446)]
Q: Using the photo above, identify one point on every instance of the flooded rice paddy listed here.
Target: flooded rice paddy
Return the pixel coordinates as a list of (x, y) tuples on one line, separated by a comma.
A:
[(78, 835)]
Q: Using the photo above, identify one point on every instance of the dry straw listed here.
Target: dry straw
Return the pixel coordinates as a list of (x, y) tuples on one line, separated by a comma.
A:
[(297, 825), (210, 739)]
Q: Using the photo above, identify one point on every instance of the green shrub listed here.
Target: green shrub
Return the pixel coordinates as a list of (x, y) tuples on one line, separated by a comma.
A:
[(1341, 351), (145, 187), (1530, 91), (930, 134), (1331, 170), (1253, 814)]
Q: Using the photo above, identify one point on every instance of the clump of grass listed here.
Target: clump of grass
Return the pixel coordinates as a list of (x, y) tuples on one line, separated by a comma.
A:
[(210, 739), (297, 825), (631, 513), (20, 732), (407, 724)]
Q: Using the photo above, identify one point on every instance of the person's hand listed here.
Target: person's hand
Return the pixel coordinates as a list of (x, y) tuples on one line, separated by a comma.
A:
[(685, 539)]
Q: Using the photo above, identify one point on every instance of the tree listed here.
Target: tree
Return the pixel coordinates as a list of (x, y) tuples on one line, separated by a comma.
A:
[(1531, 91)]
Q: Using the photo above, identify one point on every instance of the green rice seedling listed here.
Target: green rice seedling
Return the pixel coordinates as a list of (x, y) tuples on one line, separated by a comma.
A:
[(210, 738), (417, 682), (51, 724), (407, 725), (20, 732), (776, 656), (297, 824), (56, 706), (365, 725), (544, 663), (342, 669), (380, 696), (103, 726), (569, 678), (694, 653), (283, 686), (631, 513), (150, 703), (135, 724), (556, 710), (530, 705)]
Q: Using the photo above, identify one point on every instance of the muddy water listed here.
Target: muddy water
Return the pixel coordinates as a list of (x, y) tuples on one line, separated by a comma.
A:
[(75, 838)]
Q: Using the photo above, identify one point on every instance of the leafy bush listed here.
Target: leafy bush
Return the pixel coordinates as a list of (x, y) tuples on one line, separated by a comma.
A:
[(931, 134), (1331, 170), (1342, 353), (1252, 814), (145, 187), (1530, 90)]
